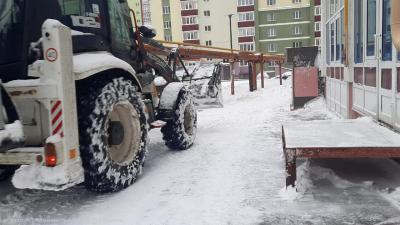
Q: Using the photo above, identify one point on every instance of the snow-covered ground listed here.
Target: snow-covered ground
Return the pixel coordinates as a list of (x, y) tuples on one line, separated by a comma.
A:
[(234, 174)]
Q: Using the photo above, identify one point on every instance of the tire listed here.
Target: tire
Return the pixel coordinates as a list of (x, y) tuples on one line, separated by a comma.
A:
[(180, 132), (113, 133), (7, 172)]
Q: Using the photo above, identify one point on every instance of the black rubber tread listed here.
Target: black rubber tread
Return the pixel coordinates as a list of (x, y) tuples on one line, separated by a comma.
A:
[(173, 132), (101, 173)]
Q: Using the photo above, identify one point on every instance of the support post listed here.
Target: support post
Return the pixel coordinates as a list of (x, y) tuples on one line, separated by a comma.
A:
[(232, 73), (251, 83), (290, 156), (280, 73), (262, 74), (254, 74)]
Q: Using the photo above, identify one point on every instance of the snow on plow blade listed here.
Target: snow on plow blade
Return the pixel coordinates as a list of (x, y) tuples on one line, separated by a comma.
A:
[(205, 85)]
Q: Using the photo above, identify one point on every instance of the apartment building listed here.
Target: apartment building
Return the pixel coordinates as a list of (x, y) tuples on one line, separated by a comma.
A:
[(282, 24), (202, 22), (146, 12)]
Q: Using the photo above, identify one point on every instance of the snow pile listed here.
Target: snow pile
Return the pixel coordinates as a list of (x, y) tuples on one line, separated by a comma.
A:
[(160, 81), (41, 177)]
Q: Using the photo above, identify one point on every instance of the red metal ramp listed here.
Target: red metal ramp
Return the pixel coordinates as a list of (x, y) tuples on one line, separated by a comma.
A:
[(360, 138)]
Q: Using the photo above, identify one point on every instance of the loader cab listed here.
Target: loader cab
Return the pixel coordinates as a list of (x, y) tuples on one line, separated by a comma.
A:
[(98, 25)]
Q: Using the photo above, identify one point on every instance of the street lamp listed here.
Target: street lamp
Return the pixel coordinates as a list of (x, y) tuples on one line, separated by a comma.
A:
[(232, 74), (230, 29)]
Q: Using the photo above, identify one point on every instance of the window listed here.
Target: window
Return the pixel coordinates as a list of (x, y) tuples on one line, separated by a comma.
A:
[(317, 26), (371, 27), (271, 2), (359, 76), (243, 63), (207, 28), (370, 77), (297, 44), (358, 31), (317, 10), (272, 64), (272, 47), (338, 74), (207, 13), (248, 47), (327, 44), (247, 16), (317, 42), (191, 35), (398, 79), (168, 37), (246, 32), (167, 24), (297, 15), (208, 43), (119, 23), (271, 32), (332, 7), (297, 30), (166, 10), (386, 79), (245, 2), (189, 20), (296, 1), (337, 41), (271, 17), (188, 5), (332, 41), (386, 32)]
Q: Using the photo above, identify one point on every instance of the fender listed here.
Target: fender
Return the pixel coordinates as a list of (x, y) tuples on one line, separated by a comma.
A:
[(91, 63), (169, 99)]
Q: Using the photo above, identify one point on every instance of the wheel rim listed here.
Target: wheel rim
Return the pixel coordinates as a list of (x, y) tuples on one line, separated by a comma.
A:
[(124, 133), (188, 120)]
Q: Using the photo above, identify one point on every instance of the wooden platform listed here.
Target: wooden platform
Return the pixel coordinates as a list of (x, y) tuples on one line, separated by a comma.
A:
[(361, 138)]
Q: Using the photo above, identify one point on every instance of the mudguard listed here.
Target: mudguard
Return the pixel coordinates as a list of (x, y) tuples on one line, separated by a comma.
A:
[(91, 63), (169, 99)]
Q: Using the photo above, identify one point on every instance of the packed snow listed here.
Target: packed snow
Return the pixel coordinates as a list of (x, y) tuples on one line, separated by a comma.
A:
[(234, 174), (12, 132)]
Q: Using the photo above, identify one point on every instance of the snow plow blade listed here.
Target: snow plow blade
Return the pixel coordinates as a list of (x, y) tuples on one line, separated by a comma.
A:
[(206, 88)]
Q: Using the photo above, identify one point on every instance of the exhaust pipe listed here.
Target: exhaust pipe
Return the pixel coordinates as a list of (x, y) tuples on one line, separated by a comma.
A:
[(395, 23)]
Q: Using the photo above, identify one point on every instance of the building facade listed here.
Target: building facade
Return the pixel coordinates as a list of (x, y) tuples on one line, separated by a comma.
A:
[(205, 22), (361, 65), (283, 24), (146, 12)]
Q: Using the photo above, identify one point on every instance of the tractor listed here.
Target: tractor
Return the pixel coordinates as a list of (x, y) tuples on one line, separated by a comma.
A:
[(78, 95)]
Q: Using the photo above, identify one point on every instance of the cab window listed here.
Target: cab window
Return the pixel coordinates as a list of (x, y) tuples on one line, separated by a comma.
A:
[(119, 25)]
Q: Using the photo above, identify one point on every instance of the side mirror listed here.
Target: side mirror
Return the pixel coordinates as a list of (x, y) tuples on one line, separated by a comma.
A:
[(147, 31)]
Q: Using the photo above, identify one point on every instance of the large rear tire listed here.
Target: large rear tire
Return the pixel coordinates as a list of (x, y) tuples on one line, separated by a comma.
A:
[(113, 133), (180, 132)]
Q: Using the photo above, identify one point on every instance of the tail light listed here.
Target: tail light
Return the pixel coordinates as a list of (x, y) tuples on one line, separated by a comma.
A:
[(50, 155)]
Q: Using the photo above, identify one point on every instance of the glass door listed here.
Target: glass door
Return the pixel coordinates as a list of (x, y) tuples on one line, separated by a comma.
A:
[(371, 39), (387, 65)]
